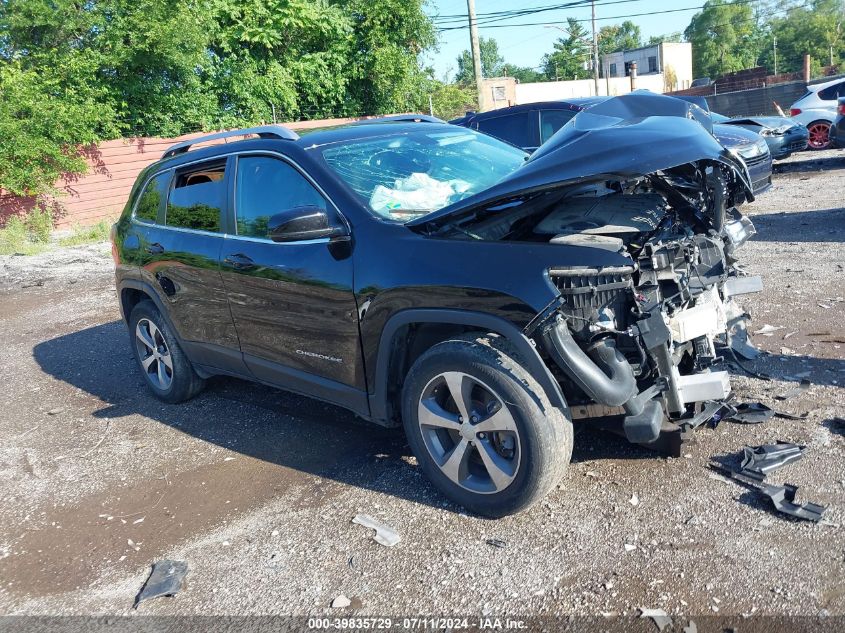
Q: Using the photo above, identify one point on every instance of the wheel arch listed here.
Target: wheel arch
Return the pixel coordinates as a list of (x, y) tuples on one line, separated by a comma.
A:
[(132, 292), (408, 333)]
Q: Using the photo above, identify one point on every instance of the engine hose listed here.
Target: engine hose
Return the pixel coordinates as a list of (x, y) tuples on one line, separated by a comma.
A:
[(605, 375)]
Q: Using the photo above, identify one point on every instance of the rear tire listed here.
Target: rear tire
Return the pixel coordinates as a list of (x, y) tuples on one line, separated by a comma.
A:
[(514, 447), (167, 371), (819, 135)]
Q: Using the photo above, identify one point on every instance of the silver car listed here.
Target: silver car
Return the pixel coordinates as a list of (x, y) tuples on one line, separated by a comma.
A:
[(816, 111)]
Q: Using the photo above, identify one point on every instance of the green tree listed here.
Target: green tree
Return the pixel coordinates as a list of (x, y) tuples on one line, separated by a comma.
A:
[(675, 36), (522, 74), (571, 56), (724, 37), (619, 37), (817, 30), (491, 62), (72, 73)]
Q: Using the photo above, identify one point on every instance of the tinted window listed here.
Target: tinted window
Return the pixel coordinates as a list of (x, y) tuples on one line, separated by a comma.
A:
[(197, 198), (267, 186), (552, 120), (652, 64), (150, 201), (513, 128), (831, 93)]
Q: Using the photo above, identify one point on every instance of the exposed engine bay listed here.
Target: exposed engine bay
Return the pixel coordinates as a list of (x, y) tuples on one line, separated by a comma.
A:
[(638, 338)]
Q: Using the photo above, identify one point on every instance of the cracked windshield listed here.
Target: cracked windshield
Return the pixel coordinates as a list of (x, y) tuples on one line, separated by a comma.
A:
[(402, 178)]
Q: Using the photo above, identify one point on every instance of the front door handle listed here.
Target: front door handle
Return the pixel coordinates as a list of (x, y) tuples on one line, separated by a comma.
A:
[(155, 248), (239, 261)]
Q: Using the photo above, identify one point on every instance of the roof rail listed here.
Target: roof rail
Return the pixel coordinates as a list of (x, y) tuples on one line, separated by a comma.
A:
[(263, 131)]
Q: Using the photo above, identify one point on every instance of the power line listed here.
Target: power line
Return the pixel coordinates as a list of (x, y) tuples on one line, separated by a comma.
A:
[(614, 17)]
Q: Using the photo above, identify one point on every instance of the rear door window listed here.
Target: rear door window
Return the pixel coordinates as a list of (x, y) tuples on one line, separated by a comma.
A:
[(514, 128), (552, 120), (198, 197), (149, 202)]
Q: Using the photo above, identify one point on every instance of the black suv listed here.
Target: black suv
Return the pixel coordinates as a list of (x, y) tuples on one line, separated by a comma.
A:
[(431, 276)]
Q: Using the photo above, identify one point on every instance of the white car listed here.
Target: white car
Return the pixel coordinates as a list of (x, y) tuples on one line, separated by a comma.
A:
[(816, 111)]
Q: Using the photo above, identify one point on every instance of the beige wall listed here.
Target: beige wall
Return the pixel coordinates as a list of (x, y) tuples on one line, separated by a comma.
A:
[(497, 92), (557, 90)]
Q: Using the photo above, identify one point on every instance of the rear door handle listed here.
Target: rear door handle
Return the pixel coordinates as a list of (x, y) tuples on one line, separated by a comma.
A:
[(239, 261), (155, 248)]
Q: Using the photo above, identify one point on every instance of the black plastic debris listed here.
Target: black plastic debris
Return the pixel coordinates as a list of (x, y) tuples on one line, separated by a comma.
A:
[(759, 461), (751, 413), (713, 411), (165, 580), (795, 391), (783, 498), (496, 542), (792, 416)]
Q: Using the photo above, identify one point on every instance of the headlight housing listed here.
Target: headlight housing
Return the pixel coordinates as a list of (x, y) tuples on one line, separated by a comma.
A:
[(777, 131), (754, 150)]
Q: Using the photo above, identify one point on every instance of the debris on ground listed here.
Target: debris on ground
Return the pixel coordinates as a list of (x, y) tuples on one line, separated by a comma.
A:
[(496, 542), (795, 391), (341, 602), (385, 535), (768, 330), (740, 343), (759, 461), (782, 497), (751, 413), (165, 580), (691, 627), (658, 616)]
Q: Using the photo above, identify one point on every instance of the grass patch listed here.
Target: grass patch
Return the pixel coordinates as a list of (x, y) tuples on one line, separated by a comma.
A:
[(23, 236), (87, 234)]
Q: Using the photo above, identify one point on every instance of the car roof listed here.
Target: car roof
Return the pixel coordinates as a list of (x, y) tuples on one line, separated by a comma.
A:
[(826, 84), (576, 103)]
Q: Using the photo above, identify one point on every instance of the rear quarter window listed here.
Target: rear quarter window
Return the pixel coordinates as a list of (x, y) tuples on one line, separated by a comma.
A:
[(832, 93), (149, 202)]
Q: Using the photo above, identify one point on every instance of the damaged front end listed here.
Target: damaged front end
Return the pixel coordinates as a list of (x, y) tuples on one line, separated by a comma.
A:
[(638, 337)]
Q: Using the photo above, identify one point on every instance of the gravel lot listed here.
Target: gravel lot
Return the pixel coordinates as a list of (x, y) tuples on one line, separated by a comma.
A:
[(256, 488)]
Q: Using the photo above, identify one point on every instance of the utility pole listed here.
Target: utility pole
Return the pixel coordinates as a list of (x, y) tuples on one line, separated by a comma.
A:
[(476, 51), (775, 51), (595, 49)]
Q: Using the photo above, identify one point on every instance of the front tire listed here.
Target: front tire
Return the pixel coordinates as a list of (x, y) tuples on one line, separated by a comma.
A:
[(482, 428), (167, 371)]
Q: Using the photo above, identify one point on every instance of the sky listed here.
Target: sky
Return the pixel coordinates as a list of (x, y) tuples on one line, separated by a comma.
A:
[(526, 45)]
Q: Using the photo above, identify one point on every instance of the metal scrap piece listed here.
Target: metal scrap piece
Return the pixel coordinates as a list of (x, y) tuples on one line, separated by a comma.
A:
[(751, 413), (783, 497), (714, 410), (660, 618), (741, 343), (165, 580), (385, 535), (759, 461)]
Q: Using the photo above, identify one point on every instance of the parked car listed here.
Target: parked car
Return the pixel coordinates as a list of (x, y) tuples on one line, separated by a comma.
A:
[(530, 125), (816, 110), (783, 136), (429, 276), (837, 130)]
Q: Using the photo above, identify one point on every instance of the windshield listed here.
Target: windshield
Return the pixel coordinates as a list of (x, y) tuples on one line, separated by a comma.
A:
[(405, 176)]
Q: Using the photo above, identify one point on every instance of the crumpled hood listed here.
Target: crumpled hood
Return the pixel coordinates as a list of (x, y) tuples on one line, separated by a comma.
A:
[(772, 122), (734, 136), (604, 142)]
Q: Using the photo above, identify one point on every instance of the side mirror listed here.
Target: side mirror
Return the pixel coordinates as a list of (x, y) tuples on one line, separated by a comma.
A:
[(302, 223)]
